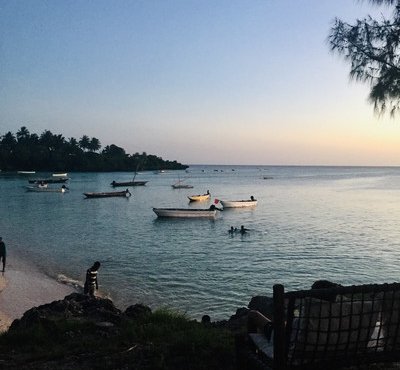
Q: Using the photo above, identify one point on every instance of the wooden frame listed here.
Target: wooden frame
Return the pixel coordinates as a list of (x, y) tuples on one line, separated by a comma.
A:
[(330, 328)]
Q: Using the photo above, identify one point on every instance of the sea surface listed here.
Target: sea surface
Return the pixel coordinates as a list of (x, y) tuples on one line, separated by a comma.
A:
[(336, 223)]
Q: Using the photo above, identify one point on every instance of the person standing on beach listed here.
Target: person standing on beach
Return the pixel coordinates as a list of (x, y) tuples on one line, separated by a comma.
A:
[(3, 253), (91, 283)]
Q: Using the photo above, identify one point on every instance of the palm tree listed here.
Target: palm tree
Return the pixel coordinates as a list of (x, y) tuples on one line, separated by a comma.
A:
[(23, 135), (84, 142), (94, 145)]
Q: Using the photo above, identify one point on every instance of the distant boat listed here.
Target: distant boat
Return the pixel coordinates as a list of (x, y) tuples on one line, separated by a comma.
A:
[(200, 197), (125, 194), (60, 180), (185, 212), (239, 203), (26, 172), (179, 185), (128, 183), (182, 186), (44, 189), (60, 174), (267, 177)]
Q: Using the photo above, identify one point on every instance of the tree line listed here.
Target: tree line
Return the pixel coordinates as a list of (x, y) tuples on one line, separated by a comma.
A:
[(52, 152)]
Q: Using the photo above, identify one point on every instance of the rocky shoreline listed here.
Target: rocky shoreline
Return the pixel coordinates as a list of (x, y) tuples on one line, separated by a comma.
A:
[(109, 323), (103, 312)]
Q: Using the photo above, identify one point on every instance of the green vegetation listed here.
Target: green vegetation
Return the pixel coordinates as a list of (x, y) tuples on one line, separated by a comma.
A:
[(50, 152), (373, 50), (159, 340)]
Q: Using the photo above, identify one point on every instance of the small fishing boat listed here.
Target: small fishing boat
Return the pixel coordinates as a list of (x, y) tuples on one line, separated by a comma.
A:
[(185, 212), (179, 185), (60, 174), (128, 183), (44, 189), (26, 172), (200, 197), (182, 186), (60, 180), (125, 194), (239, 203)]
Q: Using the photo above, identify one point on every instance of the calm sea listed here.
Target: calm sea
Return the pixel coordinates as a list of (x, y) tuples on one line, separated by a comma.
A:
[(337, 223)]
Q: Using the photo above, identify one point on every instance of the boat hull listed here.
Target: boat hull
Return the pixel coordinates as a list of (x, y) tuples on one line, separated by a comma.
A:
[(49, 181), (123, 194), (199, 198), (26, 172), (36, 189), (238, 203), (60, 174), (128, 183), (184, 213), (182, 186)]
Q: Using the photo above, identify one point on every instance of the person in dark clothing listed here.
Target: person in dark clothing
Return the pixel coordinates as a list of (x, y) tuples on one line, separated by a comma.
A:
[(3, 253), (243, 230), (91, 283)]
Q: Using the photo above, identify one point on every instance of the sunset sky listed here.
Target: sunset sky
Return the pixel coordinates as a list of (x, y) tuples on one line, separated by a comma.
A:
[(199, 81)]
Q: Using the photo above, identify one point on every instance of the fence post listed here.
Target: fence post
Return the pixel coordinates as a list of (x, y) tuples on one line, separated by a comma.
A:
[(279, 328)]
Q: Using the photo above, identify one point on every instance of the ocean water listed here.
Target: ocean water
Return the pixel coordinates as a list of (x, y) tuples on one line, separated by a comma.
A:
[(336, 223)]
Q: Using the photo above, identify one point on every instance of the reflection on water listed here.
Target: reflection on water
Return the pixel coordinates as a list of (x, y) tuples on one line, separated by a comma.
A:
[(338, 223)]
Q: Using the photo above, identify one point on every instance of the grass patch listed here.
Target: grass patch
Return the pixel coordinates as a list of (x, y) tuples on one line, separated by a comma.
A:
[(162, 340)]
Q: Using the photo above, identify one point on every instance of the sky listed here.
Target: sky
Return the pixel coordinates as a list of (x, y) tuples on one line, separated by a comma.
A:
[(197, 81)]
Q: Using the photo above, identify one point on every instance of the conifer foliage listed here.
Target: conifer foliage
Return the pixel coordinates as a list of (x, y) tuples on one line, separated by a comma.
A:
[(373, 49)]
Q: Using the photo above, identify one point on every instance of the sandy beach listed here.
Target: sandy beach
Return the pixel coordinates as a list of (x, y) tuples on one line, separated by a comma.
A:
[(22, 287)]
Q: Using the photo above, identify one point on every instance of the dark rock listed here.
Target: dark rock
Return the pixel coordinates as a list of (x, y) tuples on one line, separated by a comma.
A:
[(74, 305), (242, 311), (263, 304), (238, 321), (137, 310)]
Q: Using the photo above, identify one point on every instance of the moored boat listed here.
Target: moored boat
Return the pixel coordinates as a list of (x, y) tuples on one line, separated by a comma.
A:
[(60, 174), (60, 180), (239, 203), (26, 172), (128, 183), (108, 194), (45, 189), (185, 212), (200, 197), (182, 186)]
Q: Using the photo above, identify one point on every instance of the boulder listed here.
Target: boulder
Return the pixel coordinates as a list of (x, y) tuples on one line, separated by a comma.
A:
[(137, 310), (74, 305), (263, 304)]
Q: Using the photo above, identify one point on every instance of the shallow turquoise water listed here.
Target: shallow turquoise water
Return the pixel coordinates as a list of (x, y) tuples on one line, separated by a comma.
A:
[(338, 223)]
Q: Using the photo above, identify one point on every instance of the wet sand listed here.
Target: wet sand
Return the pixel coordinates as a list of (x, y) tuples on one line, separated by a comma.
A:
[(22, 287)]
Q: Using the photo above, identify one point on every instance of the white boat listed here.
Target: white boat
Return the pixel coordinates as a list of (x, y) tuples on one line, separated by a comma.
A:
[(60, 174), (239, 203), (185, 212), (26, 172), (38, 189)]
